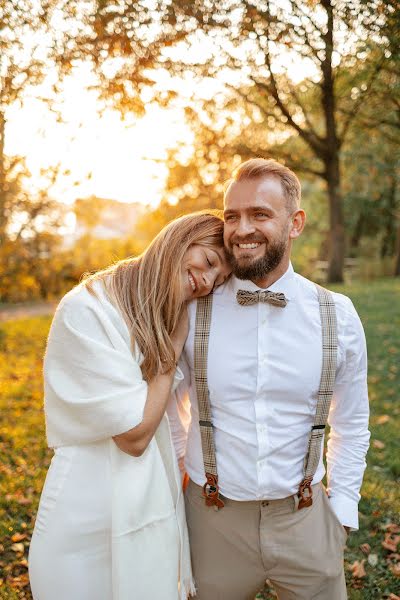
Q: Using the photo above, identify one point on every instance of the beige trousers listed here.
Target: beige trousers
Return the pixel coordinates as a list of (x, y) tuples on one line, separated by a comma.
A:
[(234, 550)]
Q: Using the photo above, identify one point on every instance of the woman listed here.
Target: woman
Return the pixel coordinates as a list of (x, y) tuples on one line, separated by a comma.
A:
[(111, 522)]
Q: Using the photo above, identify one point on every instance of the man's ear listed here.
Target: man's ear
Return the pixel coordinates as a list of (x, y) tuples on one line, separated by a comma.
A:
[(298, 222)]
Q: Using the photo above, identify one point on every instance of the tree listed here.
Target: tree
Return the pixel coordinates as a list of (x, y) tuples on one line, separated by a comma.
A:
[(248, 42), (23, 63), (31, 225), (380, 119)]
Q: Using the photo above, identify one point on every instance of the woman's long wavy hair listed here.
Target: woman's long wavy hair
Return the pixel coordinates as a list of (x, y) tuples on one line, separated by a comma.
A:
[(148, 289)]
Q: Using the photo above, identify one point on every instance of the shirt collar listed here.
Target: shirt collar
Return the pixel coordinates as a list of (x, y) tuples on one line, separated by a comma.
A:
[(285, 284)]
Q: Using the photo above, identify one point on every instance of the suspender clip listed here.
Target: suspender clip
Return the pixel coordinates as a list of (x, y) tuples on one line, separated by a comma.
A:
[(305, 494), (211, 492)]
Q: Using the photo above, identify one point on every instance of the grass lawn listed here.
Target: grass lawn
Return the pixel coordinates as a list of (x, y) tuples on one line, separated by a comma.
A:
[(24, 457)]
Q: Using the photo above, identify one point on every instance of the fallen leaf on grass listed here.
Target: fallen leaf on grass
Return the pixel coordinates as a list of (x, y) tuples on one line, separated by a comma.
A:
[(23, 500), (394, 556), (378, 444), (19, 498), (357, 568), (18, 547), (18, 537), (21, 564), (395, 570), (382, 419), (390, 542), (365, 548), (392, 527), (373, 560), (20, 581)]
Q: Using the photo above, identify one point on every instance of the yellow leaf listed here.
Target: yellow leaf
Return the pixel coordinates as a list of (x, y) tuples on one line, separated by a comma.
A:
[(382, 419), (18, 537), (378, 444)]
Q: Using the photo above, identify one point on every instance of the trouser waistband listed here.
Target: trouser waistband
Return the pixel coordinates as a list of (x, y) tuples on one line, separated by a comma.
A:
[(288, 502)]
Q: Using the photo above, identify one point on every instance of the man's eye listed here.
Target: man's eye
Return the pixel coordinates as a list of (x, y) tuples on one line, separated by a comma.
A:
[(261, 214), (209, 262), (229, 218)]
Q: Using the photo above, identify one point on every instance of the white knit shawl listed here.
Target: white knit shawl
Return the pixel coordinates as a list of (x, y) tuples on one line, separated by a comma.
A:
[(93, 390)]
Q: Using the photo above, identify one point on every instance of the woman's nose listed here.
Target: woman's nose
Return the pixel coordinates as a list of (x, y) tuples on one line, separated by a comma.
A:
[(208, 279)]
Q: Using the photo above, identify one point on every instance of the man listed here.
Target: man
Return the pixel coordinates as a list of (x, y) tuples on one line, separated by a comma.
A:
[(278, 346)]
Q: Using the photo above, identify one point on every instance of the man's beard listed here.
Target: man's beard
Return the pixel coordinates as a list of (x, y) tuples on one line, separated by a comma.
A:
[(259, 268)]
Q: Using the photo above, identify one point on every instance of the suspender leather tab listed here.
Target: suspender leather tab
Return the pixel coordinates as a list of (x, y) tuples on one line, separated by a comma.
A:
[(211, 491), (305, 494)]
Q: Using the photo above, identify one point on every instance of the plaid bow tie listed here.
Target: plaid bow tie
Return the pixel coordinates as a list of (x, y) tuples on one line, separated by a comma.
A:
[(246, 298)]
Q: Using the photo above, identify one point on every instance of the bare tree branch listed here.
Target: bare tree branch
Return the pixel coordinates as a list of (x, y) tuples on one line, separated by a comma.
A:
[(273, 90), (311, 128)]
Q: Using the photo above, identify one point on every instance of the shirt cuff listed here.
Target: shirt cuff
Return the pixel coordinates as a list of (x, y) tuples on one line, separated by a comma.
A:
[(346, 510), (178, 377)]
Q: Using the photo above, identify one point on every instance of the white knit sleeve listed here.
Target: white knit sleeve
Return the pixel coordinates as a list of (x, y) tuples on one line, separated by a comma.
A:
[(94, 387)]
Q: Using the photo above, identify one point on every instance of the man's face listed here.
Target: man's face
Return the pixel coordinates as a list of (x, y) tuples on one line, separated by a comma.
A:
[(257, 227)]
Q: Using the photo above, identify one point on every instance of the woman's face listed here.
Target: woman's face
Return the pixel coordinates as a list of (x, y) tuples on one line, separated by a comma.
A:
[(203, 269)]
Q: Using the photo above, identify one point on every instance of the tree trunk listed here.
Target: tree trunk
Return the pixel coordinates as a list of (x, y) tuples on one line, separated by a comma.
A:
[(330, 154), (336, 232)]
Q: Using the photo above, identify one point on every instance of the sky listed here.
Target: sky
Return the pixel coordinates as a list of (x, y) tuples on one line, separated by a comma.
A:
[(104, 155)]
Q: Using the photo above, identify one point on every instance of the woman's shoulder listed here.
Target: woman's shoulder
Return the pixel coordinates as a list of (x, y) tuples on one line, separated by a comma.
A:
[(89, 310), (84, 295), (84, 305)]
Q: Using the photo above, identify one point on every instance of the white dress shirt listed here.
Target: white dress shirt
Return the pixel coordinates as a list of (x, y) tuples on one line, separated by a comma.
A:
[(264, 369)]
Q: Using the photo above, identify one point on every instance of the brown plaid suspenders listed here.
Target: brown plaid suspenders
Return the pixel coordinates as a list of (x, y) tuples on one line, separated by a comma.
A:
[(329, 358)]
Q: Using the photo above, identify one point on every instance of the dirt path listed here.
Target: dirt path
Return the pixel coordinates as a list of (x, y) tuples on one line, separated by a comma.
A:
[(23, 311)]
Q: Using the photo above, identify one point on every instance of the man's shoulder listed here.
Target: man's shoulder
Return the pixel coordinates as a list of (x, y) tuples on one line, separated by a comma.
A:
[(343, 303)]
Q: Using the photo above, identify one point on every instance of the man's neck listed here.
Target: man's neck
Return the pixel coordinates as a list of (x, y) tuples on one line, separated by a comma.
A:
[(273, 276)]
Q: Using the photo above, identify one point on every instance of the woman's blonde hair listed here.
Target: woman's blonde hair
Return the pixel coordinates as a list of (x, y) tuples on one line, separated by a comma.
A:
[(148, 289)]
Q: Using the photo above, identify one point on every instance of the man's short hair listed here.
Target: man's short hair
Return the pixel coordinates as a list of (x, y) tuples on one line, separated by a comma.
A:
[(258, 168)]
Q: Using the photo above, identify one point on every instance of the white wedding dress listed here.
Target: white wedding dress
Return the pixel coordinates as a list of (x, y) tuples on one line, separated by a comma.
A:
[(109, 526)]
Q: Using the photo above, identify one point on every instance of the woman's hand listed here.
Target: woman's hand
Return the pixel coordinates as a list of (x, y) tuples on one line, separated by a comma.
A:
[(179, 335), (136, 440)]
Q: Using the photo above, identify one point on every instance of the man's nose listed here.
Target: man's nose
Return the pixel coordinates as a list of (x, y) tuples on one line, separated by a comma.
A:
[(245, 227)]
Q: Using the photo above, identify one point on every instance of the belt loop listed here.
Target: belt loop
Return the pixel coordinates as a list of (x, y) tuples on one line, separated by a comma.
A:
[(296, 501)]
